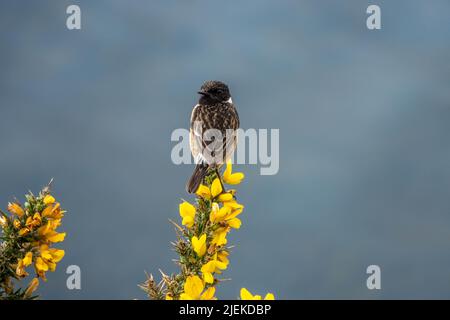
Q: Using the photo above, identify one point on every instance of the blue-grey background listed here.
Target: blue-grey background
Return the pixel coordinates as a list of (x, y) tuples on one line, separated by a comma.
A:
[(364, 119)]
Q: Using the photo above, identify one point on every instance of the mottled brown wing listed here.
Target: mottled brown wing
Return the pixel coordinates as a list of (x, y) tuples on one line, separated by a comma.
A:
[(230, 141), (222, 117), (195, 140)]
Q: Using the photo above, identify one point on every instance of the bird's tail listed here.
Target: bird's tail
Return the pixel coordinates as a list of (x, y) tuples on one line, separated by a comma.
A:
[(200, 171)]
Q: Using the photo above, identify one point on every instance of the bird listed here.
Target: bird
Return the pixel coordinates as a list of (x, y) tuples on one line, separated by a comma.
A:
[(213, 117)]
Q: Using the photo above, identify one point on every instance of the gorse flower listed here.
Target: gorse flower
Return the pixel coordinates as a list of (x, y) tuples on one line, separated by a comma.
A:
[(193, 290), (3, 221), (220, 236), (212, 192), (28, 235), (32, 286), (28, 259), (211, 267), (225, 214), (16, 209), (232, 178), (201, 245), (49, 199), (187, 212), (246, 295)]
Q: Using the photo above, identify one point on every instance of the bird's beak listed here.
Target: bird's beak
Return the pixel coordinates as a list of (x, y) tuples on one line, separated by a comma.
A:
[(203, 93)]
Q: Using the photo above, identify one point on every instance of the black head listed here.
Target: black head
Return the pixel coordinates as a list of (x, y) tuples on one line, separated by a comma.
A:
[(215, 91)]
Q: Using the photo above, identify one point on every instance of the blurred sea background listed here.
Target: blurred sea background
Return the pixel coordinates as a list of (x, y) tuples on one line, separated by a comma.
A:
[(364, 119)]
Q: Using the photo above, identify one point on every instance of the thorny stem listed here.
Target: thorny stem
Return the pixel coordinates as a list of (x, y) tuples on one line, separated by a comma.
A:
[(189, 264)]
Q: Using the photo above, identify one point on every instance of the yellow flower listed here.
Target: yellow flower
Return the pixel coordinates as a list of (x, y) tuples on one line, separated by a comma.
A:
[(210, 267), (45, 228), (34, 221), (45, 253), (193, 290), (234, 206), (224, 197), (23, 231), (51, 254), (246, 295), (216, 188), (28, 259), (236, 209), (269, 296), (55, 236), (235, 223), (209, 294), (48, 231), (199, 245), (55, 223), (57, 254), (20, 269), (218, 214), (53, 211), (41, 265), (3, 221), (221, 261), (16, 209), (203, 192), (222, 256), (219, 237), (49, 199), (187, 212), (169, 297), (210, 193), (32, 286), (16, 224), (232, 178), (51, 265), (48, 259), (207, 270), (225, 214)]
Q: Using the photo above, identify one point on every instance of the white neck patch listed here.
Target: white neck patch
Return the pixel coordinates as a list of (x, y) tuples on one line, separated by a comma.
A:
[(230, 100)]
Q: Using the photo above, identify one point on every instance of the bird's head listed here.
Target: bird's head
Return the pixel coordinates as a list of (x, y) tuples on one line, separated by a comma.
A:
[(215, 91)]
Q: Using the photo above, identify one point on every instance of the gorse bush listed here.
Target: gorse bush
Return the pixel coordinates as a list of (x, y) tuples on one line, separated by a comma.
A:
[(28, 234), (202, 242)]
